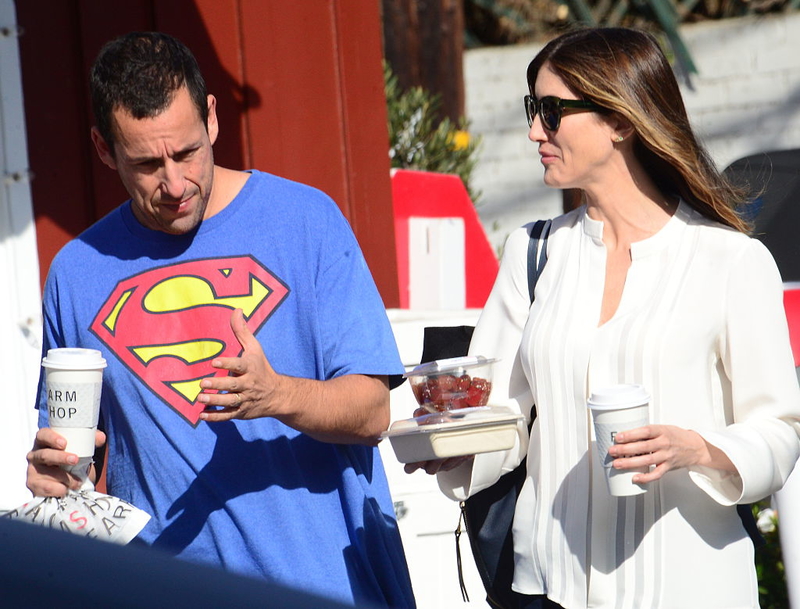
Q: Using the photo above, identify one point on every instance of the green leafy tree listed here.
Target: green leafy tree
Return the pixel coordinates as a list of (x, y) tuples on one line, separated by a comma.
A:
[(420, 139)]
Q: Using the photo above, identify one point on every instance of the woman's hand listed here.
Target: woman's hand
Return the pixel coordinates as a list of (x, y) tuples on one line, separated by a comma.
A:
[(666, 447), (437, 465)]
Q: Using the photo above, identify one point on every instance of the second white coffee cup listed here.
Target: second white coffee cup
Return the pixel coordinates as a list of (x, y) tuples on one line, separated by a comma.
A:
[(614, 409), (74, 381)]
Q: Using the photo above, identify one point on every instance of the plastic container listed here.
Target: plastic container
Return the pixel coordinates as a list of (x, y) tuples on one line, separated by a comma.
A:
[(449, 384), (453, 433)]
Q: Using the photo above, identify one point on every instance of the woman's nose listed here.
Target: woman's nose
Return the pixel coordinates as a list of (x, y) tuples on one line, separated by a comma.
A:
[(537, 133)]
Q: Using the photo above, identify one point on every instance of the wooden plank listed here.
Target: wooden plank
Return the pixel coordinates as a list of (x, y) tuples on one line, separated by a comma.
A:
[(366, 142), (401, 40), (423, 42), (441, 53), (295, 110)]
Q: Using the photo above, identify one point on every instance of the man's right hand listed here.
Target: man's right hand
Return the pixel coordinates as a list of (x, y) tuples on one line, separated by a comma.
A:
[(47, 460)]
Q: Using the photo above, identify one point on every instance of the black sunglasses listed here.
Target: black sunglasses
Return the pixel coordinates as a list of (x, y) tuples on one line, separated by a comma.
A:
[(551, 108)]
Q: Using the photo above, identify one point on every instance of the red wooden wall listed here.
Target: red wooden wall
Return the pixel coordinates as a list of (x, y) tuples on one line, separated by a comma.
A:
[(300, 94)]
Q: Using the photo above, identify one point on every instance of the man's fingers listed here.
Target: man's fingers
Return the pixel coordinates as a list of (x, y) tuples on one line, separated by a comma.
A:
[(217, 416), (242, 332), (47, 438), (46, 474), (51, 457), (47, 488)]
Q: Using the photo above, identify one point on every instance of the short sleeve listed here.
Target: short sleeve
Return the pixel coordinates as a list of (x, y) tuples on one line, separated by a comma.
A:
[(357, 335)]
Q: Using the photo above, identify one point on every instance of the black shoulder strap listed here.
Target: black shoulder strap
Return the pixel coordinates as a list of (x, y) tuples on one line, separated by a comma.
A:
[(537, 252)]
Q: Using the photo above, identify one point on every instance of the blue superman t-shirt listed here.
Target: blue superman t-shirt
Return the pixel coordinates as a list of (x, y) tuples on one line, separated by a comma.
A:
[(255, 497)]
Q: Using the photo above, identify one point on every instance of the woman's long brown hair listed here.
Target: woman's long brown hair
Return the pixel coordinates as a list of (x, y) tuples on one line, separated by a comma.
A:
[(625, 71)]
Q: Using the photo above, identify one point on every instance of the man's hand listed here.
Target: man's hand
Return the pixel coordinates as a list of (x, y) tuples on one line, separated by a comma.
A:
[(251, 386), (349, 409), (47, 460)]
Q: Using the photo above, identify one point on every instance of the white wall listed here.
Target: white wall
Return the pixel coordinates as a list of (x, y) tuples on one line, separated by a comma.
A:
[(745, 99)]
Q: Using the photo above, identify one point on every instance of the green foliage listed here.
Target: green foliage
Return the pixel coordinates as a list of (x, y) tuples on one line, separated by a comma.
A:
[(501, 22), (772, 590), (420, 139)]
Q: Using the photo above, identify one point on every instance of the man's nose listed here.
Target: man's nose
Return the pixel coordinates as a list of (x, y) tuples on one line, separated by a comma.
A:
[(172, 181)]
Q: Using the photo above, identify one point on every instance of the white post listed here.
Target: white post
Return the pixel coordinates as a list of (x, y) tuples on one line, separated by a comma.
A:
[(20, 300), (787, 501), (437, 267)]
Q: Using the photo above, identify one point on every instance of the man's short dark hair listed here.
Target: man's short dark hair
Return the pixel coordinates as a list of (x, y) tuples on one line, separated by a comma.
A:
[(140, 73)]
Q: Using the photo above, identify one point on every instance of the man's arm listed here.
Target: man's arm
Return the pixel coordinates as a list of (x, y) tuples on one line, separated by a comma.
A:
[(351, 409)]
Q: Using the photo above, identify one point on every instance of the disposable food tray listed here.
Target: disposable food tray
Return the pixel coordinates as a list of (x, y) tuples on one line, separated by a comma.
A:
[(453, 433)]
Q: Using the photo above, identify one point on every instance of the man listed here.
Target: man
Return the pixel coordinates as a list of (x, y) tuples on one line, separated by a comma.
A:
[(249, 351)]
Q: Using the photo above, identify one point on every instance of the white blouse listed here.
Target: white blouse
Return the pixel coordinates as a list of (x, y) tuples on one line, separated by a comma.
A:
[(701, 325)]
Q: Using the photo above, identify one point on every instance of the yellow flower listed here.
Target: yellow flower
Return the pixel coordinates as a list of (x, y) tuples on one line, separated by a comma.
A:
[(459, 139)]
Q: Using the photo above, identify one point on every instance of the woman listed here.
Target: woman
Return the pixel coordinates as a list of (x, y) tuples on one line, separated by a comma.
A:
[(652, 281)]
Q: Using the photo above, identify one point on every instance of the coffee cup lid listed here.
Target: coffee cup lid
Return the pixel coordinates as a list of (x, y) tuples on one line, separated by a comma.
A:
[(618, 396), (71, 358)]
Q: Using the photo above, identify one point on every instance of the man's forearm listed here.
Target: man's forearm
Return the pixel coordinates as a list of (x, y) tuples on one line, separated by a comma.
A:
[(351, 409)]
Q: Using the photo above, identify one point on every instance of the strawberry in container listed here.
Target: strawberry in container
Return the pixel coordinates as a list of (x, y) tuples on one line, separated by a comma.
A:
[(454, 418), (451, 384)]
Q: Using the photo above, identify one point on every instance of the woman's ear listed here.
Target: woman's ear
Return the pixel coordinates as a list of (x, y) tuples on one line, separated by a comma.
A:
[(621, 128)]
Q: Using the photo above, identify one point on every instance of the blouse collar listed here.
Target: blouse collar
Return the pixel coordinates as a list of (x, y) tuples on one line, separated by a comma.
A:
[(653, 244)]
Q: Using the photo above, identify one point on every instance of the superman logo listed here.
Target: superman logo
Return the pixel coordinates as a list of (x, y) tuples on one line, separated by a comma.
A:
[(167, 324)]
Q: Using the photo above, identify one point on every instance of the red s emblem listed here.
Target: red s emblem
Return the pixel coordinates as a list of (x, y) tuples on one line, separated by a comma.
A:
[(167, 324)]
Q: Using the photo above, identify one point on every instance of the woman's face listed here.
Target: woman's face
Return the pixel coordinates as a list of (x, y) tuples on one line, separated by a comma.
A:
[(577, 154)]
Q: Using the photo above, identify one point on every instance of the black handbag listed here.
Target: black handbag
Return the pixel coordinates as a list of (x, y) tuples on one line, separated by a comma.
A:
[(488, 515)]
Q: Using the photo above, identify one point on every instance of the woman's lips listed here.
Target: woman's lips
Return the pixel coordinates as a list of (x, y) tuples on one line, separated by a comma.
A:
[(548, 158)]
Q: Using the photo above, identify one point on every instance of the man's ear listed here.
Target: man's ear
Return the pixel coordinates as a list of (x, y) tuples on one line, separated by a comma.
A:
[(103, 149), (212, 125)]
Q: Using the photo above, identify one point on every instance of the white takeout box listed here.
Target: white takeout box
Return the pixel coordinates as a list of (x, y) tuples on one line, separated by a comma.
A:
[(453, 433)]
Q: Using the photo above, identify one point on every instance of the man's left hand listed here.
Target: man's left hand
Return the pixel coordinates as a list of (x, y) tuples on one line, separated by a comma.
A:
[(251, 384), (348, 409)]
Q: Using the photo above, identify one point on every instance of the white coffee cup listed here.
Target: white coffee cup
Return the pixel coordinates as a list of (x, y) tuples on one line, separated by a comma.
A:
[(74, 381), (618, 408)]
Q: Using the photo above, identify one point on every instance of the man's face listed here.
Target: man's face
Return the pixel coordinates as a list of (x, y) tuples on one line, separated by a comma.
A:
[(166, 163)]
